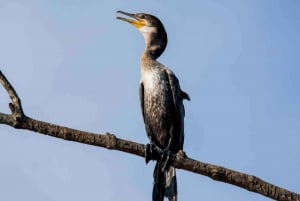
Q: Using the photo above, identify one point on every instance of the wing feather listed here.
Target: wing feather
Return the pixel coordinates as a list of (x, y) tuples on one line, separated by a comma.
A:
[(141, 92), (178, 94)]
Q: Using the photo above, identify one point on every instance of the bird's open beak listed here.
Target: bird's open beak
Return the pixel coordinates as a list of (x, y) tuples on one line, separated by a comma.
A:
[(138, 23)]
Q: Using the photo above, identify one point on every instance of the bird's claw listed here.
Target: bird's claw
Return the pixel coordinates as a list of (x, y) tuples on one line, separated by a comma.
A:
[(148, 154), (152, 152)]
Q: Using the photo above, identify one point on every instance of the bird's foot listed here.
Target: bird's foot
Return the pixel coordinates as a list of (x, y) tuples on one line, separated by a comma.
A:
[(148, 151), (152, 152)]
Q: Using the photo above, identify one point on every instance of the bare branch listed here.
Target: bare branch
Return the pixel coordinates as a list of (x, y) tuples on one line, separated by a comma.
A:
[(110, 141), (15, 105)]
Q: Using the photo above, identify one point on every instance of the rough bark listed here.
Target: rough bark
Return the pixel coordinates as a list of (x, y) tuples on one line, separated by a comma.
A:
[(249, 182)]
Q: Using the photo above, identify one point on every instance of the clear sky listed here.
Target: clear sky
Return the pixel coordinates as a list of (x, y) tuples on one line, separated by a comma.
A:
[(73, 64)]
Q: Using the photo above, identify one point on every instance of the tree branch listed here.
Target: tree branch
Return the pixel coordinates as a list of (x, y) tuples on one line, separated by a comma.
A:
[(251, 183)]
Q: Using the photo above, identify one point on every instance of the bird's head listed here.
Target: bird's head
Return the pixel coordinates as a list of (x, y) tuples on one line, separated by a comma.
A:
[(152, 30)]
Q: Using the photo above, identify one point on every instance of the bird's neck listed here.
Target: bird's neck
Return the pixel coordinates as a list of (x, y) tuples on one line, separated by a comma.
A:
[(147, 61), (152, 51), (156, 43), (149, 54)]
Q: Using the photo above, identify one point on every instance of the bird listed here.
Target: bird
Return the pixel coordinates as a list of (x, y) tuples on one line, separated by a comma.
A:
[(161, 103)]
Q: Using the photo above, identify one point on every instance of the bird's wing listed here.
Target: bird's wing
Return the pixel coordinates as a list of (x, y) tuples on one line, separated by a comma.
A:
[(141, 92), (178, 97), (142, 105), (178, 94)]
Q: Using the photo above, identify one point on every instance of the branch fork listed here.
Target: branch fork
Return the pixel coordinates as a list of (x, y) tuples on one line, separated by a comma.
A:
[(15, 106)]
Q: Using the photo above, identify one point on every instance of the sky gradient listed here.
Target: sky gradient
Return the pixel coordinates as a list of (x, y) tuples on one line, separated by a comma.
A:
[(73, 64)]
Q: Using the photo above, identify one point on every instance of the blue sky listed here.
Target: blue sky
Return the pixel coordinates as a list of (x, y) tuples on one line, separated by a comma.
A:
[(73, 64)]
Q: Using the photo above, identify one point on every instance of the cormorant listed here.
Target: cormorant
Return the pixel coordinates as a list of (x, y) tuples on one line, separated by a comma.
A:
[(161, 101)]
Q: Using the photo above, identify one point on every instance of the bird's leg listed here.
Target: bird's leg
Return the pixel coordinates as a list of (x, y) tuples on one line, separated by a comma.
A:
[(165, 160), (166, 157), (152, 152)]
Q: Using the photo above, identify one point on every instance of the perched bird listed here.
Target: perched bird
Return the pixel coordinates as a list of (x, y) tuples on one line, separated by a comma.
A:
[(161, 101)]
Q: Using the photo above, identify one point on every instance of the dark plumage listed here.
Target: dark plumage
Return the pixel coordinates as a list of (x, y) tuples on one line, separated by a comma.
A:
[(161, 101)]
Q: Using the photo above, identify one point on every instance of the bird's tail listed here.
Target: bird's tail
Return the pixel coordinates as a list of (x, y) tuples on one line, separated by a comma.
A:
[(165, 184), (171, 184)]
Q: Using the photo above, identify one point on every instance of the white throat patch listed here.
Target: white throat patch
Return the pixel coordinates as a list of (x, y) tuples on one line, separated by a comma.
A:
[(146, 31)]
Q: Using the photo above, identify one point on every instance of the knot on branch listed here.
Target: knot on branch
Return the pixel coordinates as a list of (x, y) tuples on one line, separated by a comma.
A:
[(217, 173), (111, 141), (181, 155), (17, 114)]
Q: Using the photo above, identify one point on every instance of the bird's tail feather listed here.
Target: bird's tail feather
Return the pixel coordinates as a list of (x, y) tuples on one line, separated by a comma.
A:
[(165, 184), (171, 184)]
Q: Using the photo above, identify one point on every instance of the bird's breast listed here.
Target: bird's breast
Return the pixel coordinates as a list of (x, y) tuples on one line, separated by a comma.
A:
[(155, 83), (157, 92), (150, 80)]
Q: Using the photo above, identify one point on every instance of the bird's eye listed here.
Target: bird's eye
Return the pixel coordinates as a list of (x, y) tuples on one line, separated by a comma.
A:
[(141, 16)]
